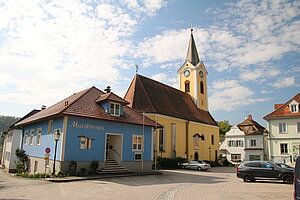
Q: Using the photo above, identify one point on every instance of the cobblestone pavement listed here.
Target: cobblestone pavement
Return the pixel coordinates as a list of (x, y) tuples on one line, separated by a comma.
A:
[(217, 183)]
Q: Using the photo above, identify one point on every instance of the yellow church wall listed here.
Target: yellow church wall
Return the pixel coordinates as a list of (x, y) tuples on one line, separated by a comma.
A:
[(204, 152), (193, 128), (180, 135)]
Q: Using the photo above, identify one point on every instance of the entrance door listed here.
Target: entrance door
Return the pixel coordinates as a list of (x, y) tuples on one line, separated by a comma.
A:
[(114, 147), (196, 156)]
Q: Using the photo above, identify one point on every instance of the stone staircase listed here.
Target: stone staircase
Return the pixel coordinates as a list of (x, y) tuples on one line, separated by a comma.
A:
[(112, 167)]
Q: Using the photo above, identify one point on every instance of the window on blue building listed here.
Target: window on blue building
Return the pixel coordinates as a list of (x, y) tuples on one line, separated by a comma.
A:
[(31, 137), (50, 126), (114, 109), (137, 142), (25, 137), (85, 142), (38, 136)]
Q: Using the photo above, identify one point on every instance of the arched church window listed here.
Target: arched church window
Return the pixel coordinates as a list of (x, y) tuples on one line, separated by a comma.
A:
[(187, 86), (202, 87)]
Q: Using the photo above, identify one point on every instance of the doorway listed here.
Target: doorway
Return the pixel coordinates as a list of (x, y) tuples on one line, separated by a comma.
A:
[(196, 156), (114, 147)]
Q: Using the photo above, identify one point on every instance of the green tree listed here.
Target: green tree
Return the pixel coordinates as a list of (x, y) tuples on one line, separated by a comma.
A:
[(22, 159), (224, 127)]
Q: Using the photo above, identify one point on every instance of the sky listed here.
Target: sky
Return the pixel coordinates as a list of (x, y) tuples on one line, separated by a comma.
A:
[(50, 49)]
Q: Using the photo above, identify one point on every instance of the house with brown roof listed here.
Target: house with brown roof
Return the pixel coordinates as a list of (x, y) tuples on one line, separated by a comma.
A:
[(245, 141), (93, 126), (284, 129), (189, 131)]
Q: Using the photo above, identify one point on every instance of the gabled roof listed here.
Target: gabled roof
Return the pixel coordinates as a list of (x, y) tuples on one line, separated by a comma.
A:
[(111, 97), (83, 104), (283, 110), (192, 53), (26, 116), (150, 96), (251, 127)]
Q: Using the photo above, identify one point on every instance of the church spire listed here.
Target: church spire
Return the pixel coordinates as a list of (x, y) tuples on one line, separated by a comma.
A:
[(192, 54)]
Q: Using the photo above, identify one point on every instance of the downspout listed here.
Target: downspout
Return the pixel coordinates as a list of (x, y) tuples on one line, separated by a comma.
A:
[(187, 139)]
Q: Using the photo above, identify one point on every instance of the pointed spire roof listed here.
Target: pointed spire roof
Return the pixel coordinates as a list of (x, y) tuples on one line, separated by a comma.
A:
[(192, 53)]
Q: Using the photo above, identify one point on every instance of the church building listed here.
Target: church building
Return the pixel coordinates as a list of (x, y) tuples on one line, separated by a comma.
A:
[(189, 131)]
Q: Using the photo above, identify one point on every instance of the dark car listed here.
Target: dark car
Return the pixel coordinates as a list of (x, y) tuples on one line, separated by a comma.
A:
[(297, 179), (283, 165), (251, 170)]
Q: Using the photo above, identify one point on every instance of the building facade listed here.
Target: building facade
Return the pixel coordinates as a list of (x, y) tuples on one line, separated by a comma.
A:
[(189, 131), (94, 126), (284, 129), (12, 141), (245, 141)]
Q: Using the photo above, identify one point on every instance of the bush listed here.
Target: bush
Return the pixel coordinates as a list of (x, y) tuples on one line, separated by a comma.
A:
[(94, 166), (168, 163), (22, 159), (61, 174), (26, 175)]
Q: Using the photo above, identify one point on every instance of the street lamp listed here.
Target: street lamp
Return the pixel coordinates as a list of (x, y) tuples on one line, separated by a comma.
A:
[(56, 138)]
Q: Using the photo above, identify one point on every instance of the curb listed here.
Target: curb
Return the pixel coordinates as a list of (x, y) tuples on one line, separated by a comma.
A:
[(77, 178)]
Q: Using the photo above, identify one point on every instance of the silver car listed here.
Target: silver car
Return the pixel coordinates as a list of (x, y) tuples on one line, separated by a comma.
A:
[(197, 165)]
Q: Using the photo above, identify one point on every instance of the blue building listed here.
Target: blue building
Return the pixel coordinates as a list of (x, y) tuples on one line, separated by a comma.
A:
[(94, 126)]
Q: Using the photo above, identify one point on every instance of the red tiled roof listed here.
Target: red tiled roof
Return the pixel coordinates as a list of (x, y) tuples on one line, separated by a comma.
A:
[(150, 96), (284, 110), (251, 127), (83, 104), (111, 97)]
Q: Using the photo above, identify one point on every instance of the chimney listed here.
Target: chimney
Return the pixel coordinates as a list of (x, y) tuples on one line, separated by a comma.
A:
[(43, 107), (107, 90), (250, 117)]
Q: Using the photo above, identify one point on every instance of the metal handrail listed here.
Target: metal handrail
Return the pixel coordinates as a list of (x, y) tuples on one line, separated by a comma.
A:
[(117, 153)]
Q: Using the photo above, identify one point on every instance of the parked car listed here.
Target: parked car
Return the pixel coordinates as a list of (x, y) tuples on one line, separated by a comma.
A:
[(251, 170), (283, 165), (297, 180), (197, 165)]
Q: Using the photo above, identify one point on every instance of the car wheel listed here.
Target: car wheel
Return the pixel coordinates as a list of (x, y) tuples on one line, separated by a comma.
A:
[(247, 178), (182, 167), (287, 178), (199, 169)]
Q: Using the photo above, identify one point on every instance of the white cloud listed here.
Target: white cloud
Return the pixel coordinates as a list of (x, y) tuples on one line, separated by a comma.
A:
[(164, 78), (230, 95), (284, 82), (259, 73), (169, 46), (51, 49)]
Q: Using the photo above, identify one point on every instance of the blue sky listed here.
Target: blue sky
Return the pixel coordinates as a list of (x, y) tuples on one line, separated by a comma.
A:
[(52, 49)]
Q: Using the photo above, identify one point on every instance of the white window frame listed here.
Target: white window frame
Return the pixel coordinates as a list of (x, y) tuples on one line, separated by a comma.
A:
[(113, 111), (282, 129), (137, 146), (138, 153), (50, 127), (38, 136), (286, 149), (294, 108), (236, 157), (25, 137), (31, 137), (252, 143), (85, 142)]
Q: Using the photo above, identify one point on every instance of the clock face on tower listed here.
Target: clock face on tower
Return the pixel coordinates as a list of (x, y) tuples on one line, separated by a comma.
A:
[(186, 72)]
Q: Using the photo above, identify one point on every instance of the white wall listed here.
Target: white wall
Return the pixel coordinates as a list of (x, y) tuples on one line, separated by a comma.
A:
[(291, 138)]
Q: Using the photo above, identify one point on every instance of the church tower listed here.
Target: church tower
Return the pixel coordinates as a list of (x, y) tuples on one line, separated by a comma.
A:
[(192, 76)]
